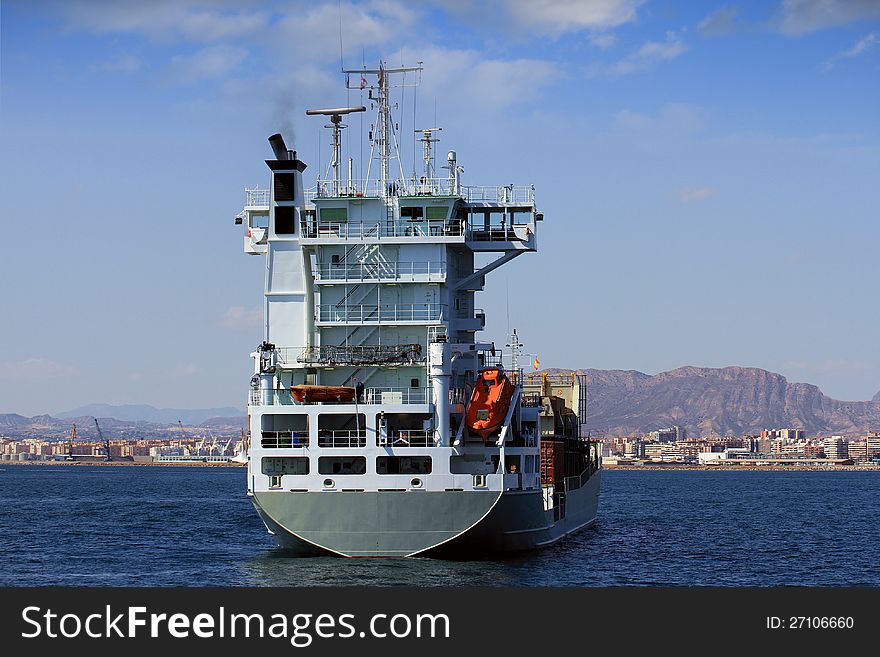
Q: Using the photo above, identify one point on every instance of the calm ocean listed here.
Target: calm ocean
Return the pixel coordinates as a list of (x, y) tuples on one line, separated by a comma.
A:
[(182, 526)]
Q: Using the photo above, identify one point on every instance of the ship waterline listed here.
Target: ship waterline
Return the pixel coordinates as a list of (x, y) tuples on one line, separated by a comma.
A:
[(405, 524)]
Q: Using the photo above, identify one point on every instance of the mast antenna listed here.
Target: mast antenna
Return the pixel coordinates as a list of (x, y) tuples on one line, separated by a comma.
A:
[(336, 125), (383, 136)]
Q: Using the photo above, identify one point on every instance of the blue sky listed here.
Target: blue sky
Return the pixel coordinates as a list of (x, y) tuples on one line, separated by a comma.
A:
[(708, 172)]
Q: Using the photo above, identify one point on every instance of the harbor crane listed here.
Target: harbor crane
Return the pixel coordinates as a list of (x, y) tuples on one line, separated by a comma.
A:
[(70, 444), (106, 441)]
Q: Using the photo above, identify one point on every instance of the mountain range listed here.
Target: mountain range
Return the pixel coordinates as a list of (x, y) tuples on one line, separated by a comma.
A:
[(719, 401), (145, 413), (705, 401)]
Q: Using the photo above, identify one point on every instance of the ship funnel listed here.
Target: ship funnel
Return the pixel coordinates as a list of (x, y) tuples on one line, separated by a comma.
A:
[(278, 146)]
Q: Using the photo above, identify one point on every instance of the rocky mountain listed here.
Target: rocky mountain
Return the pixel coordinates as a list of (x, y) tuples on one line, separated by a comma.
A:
[(719, 401)]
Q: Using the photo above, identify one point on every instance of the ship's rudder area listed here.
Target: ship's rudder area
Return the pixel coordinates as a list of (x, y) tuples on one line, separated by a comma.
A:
[(373, 523)]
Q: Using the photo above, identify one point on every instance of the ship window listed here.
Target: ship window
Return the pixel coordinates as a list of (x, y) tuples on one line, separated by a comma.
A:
[(412, 214), (334, 214), (284, 187), (520, 216), (342, 465), (285, 465), (285, 220), (403, 465), (413, 383), (437, 214), (259, 220)]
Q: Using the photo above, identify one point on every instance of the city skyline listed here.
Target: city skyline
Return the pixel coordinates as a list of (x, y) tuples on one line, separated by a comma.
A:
[(708, 176)]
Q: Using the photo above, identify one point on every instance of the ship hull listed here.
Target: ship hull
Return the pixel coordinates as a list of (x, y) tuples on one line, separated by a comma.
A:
[(445, 524)]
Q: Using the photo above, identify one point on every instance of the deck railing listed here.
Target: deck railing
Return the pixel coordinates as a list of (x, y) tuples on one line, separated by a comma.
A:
[(429, 270), (363, 313), (284, 439), (409, 438), (256, 198)]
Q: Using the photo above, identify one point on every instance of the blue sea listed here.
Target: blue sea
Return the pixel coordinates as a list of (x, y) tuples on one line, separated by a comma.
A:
[(194, 526)]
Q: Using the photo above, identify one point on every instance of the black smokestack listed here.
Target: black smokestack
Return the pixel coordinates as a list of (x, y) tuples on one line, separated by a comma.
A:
[(277, 142)]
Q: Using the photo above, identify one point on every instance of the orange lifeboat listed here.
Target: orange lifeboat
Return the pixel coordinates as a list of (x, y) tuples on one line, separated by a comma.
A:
[(307, 393), (489, 402)]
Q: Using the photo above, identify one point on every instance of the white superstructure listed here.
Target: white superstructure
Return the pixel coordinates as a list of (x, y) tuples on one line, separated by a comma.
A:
[(370, 288)]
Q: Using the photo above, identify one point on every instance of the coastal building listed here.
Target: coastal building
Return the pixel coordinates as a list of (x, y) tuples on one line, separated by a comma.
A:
[(857, 450), (670, 435), (788, 435), (835, 448)]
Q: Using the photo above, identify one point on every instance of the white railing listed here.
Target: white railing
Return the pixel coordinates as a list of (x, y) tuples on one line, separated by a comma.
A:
[(284, 439), (409, 438), (382, 271), (380, 395), (394, 395), (407, 312), (506, 194), (271, 398), (313, 228), (256, 198), (342, 438)]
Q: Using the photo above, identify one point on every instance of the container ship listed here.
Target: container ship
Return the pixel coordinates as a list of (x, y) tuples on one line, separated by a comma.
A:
[(381, 423)]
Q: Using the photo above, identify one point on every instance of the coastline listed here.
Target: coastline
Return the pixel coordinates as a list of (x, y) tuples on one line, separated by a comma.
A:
[(175, 464), (747, 468)]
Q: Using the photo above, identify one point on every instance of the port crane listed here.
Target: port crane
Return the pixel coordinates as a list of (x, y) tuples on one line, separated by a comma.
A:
[(106, 441), (70, 444)]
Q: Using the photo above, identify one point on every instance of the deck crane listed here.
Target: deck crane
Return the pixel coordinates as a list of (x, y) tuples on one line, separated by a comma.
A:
[(106, 441)]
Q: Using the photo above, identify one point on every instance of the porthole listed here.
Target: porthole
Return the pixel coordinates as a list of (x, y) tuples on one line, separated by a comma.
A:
[(329, 483), (416, 483)]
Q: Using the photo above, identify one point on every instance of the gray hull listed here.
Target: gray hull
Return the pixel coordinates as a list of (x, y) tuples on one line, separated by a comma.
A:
[(441, 524)]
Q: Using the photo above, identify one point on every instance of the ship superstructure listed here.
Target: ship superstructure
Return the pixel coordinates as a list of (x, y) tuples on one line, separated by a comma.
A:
[(380, 423)]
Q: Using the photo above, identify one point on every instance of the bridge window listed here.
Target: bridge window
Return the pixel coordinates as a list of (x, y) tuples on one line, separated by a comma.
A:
[(437, 213), (412, 214), (342, 465), (520, 216), (285, 465), (403, 465), (334, 214)]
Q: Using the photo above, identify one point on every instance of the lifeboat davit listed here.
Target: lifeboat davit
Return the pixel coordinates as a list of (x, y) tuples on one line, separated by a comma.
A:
[(489, 402), (307, 393)]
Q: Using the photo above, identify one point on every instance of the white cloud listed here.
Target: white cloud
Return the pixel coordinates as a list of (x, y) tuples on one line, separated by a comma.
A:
[(803, 16), (603, 40), (239, 317), (673, 118), (124, 63), (648, 55), (860, 46), (721, 21), (197, 21), (696, 194), (36, 369), (211, 62), (489, 83), (560, 16)]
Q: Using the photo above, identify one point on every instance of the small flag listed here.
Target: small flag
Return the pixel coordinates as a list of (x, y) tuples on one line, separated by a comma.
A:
[(363, 82), (536, 363)]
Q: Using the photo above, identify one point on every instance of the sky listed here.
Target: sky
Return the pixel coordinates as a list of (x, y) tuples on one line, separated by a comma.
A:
[(708, 174)]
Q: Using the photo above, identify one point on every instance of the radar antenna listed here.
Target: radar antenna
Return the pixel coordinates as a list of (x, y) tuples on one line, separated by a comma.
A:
[(428, 138), (337, 126)]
